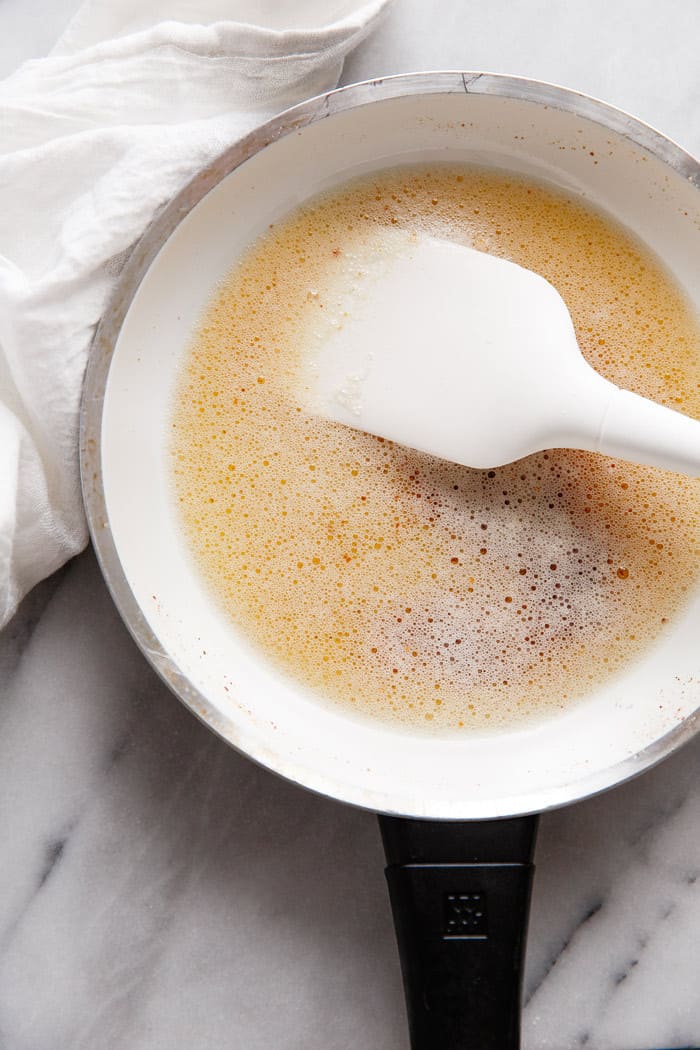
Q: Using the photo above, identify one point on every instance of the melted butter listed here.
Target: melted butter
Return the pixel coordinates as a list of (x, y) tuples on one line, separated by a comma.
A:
[(408, 587)]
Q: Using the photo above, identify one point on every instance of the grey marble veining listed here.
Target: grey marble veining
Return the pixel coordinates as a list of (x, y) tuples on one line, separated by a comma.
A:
[(157, 890)]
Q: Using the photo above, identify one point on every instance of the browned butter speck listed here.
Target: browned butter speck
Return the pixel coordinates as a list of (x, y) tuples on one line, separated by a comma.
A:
[(408, 587)]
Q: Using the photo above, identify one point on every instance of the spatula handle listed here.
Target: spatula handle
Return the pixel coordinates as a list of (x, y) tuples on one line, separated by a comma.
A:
[(460, 893), (644, 431)]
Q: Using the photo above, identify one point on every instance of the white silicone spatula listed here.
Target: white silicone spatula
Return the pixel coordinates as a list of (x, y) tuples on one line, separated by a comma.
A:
[(474, 359)]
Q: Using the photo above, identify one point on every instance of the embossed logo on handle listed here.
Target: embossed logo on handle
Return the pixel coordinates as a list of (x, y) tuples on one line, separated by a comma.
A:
[(465, 916)]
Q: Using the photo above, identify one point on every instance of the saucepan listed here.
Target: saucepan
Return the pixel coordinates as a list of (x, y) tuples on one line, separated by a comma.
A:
[(456, 813)]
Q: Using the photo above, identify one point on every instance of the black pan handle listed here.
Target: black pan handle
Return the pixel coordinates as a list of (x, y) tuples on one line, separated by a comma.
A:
[(460, 894)]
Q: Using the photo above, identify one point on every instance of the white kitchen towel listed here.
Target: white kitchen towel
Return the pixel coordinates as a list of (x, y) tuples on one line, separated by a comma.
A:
[(94, 139)]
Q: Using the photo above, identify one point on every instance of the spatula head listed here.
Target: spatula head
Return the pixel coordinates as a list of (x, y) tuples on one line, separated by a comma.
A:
[(448, 350)]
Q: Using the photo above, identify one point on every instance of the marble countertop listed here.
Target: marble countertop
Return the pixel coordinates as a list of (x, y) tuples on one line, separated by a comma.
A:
[(158, 890)]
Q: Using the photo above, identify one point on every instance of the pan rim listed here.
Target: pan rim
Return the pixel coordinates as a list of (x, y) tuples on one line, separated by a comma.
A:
[(292, 120)]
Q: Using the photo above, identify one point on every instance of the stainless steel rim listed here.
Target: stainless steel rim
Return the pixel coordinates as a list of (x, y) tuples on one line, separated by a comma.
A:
[(309, 112)]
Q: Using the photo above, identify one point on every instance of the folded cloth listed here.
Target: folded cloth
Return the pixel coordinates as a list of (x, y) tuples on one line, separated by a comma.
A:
[(94, 139)]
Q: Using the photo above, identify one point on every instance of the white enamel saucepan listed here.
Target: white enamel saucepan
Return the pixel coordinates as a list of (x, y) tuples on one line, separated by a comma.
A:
[(459, 873)]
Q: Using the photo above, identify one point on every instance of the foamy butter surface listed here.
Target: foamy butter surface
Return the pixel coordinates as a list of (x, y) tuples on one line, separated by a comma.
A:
[(404, 585)]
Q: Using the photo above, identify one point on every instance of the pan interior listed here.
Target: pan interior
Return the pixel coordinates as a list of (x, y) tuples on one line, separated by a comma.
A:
[(254, 706)]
